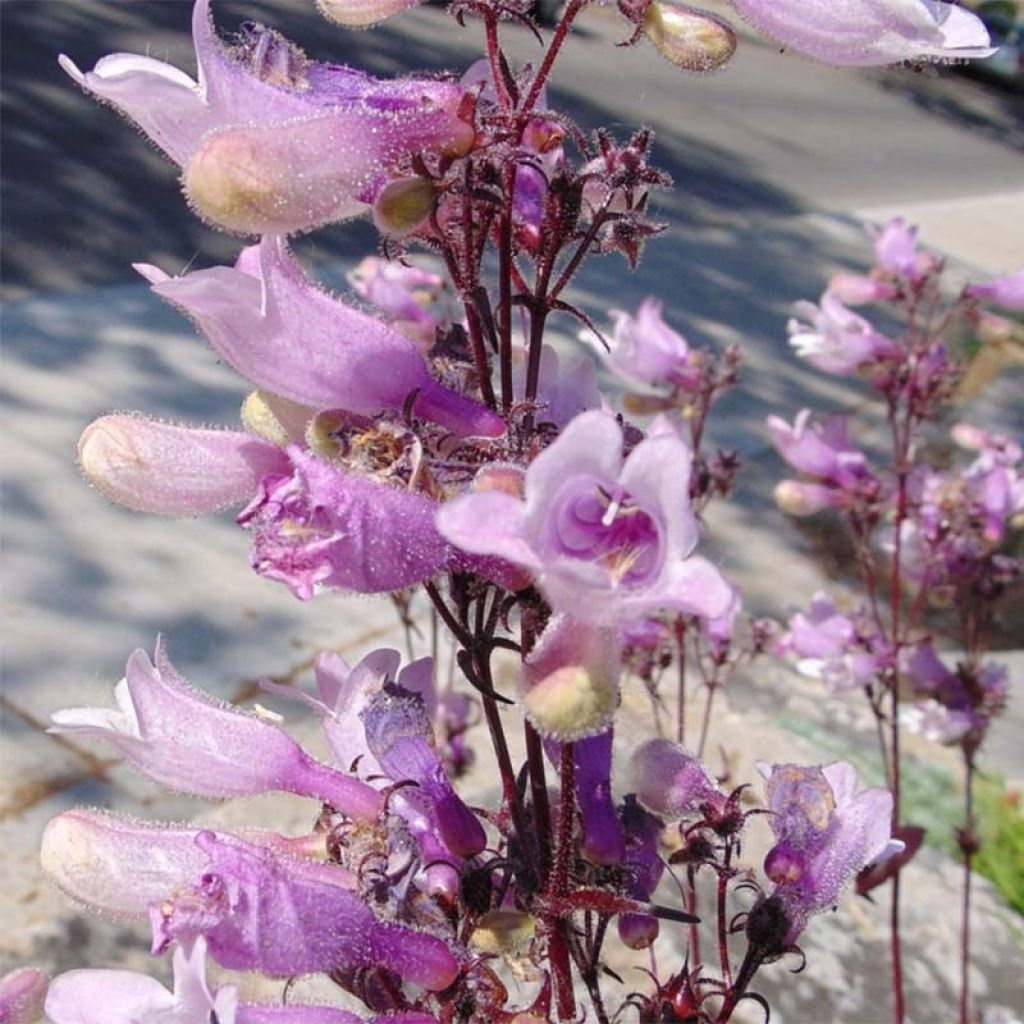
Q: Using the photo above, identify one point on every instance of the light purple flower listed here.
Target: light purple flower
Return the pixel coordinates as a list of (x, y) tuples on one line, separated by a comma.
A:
[(869, 32), (896, 248), (125, 997), (118, 865), (323, 527), (646, 350), (609, 539), (22, 994), (400, 736), (283, 170), (840, 649), (822, 451), (291, 338), (935, 722), (825, 833), (286, 916), (187, 741), (344, 694), (671, 782), (174, 470), (835, 339), (1007, 292), (408, 296)]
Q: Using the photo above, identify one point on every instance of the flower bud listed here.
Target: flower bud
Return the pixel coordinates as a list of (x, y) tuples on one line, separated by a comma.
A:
[(293, 176), (403, 206), (503, 931), (857, 290), (362, 13), (690, 39), (173, 470), (670, 781), (638, 931), (784, 864), (802, 499)]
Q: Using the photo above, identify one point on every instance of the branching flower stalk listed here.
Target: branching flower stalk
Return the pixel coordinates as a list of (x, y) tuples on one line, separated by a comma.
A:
[(924, 538)]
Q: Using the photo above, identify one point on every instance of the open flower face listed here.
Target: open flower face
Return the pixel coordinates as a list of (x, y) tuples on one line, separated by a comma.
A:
[(608, 539)]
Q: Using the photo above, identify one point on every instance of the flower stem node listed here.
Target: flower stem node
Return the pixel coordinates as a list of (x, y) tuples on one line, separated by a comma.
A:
[(691, 39)]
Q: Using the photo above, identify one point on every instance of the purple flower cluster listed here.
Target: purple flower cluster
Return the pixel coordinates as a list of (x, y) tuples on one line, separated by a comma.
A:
[(426, 439)]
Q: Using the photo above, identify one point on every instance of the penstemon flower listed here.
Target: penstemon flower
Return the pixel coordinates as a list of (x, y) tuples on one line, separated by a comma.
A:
[(609, 539), (444, 447)]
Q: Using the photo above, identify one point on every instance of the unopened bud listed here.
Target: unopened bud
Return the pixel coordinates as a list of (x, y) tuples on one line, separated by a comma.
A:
[(638, 931), (784, 865), (503, 931), (277, 420), (800, 499), (173, 470), (571, 680), (403, 206), (362, 13), (670, 781), (573, 702), (292, 176), (690, 39), (857, 290)]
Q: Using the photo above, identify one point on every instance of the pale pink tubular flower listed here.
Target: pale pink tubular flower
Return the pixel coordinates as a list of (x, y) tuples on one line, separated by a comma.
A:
[(258, 905), (22, 993), (835, 339), (258, 135), (174, 470), (293, 339), (187, 741), (609, 539), (126, 997), (870, 32), (645, 349), (1007, 292)]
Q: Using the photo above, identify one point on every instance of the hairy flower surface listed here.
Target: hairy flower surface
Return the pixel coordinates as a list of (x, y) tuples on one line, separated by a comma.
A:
[(173, 470), (869, 32), (186, 740), (284, 170), (825, 833), (321, 526), (292, 339), (609, 539)]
